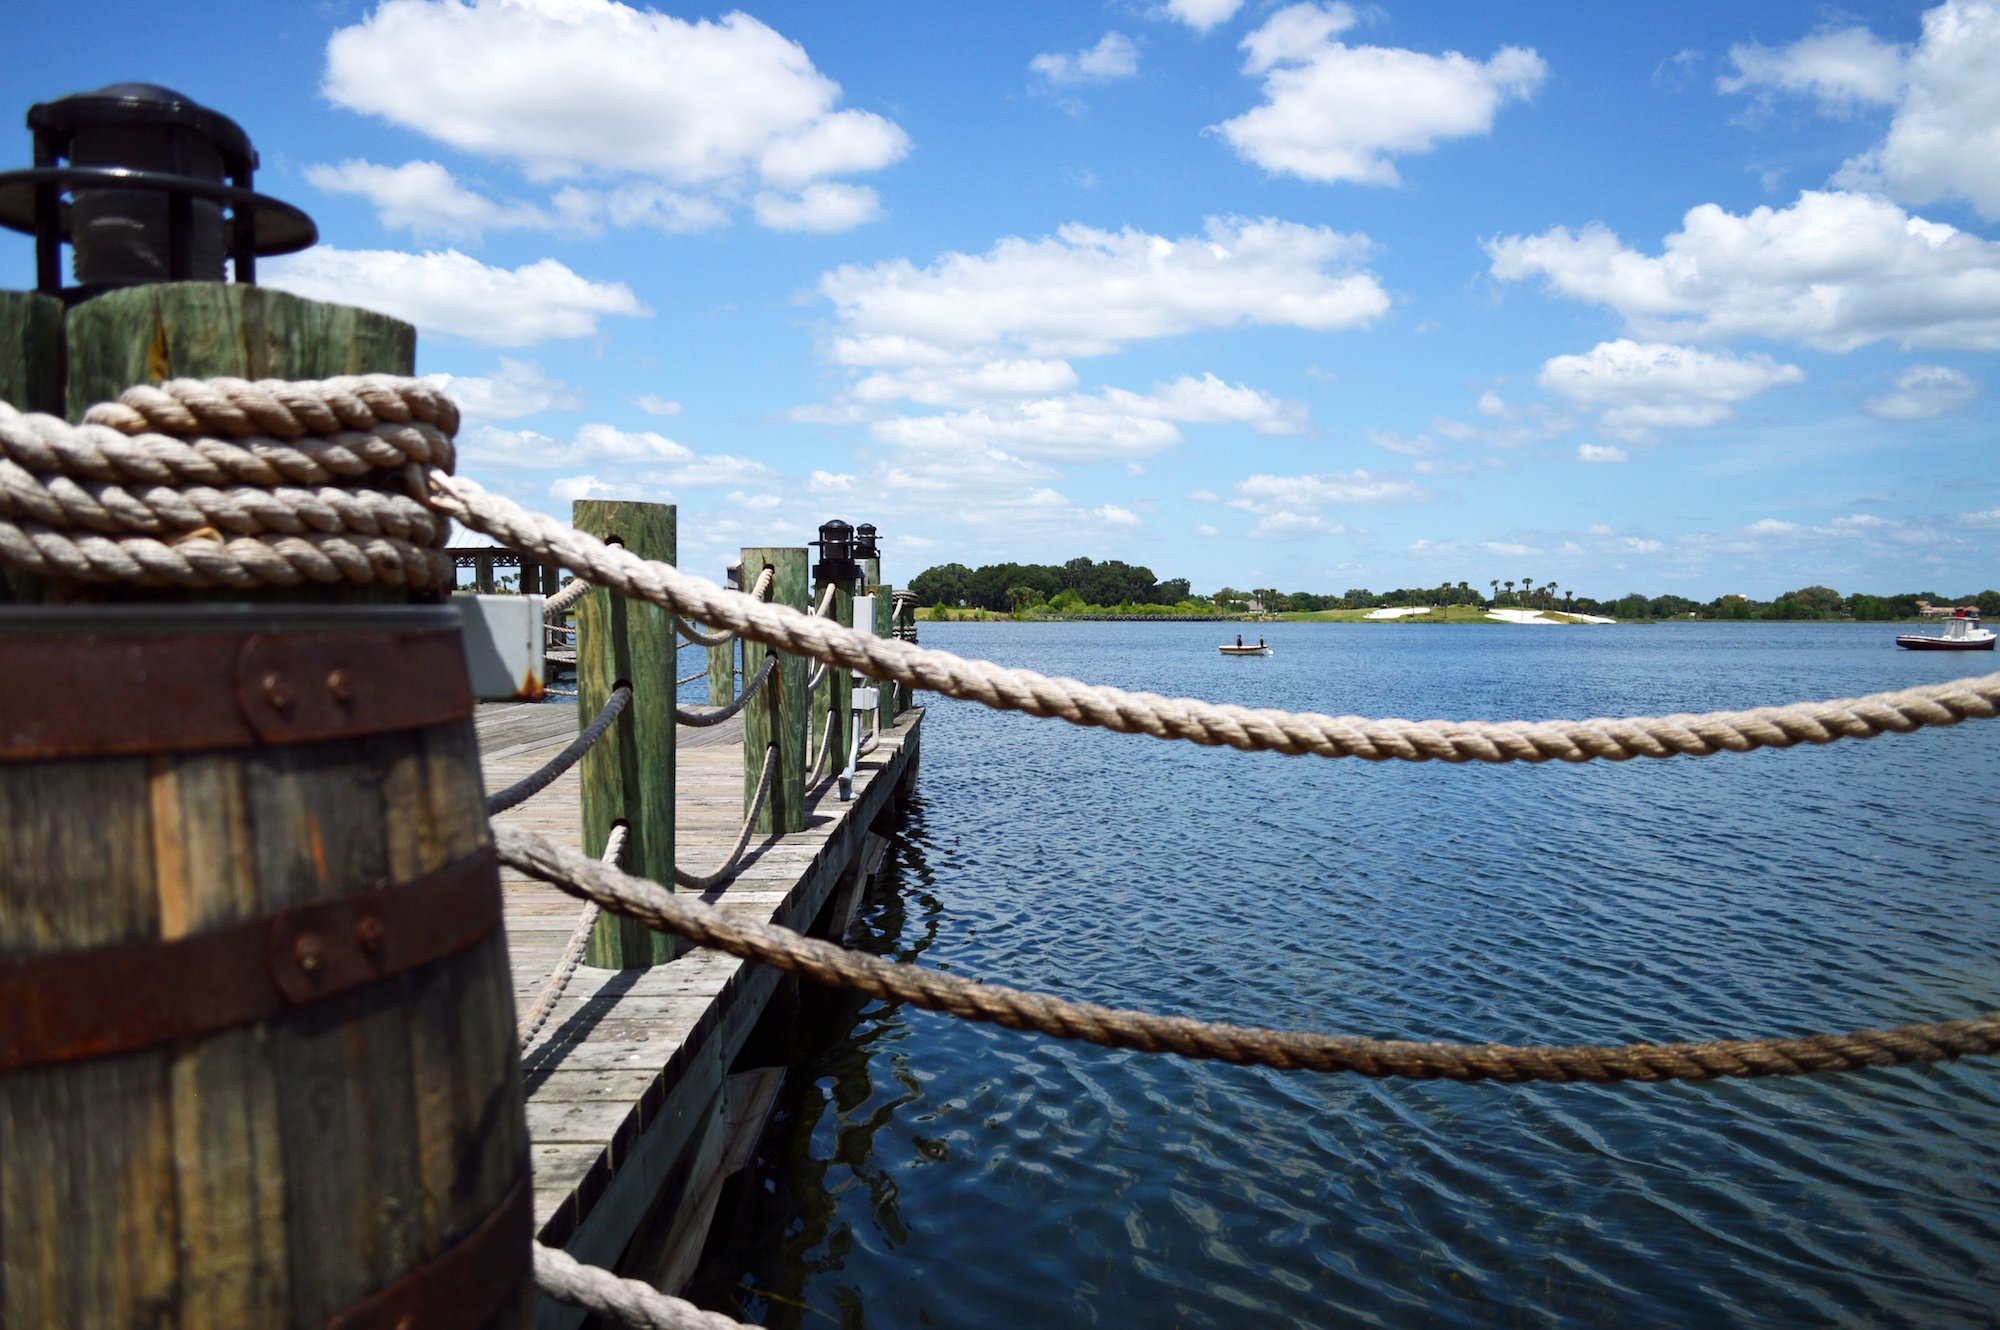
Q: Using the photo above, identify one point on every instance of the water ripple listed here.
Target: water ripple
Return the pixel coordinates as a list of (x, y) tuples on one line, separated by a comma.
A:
[(923, 1171)]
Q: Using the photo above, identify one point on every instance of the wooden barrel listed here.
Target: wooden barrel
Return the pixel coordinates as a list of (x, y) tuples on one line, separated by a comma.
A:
[(257, 1054)]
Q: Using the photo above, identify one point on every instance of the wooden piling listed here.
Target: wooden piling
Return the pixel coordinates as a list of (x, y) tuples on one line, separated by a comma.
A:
[(885, 626), (629, 776), (31, 352), (778, 714), (835, 693), (722, 674)]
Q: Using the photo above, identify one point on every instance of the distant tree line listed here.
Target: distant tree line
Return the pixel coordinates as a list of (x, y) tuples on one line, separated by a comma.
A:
[(1085, 585), (1072, 586)]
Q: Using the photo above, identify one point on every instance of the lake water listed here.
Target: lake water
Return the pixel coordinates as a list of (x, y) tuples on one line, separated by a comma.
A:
[(924, 1171)]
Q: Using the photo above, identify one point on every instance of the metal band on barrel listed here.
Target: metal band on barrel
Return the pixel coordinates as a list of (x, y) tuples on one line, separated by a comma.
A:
[(462, 1286), (65, 1006), (111, 695)]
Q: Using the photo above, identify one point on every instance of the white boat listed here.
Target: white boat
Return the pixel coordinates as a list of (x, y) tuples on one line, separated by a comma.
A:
[(1961, 633), (1240, 650)]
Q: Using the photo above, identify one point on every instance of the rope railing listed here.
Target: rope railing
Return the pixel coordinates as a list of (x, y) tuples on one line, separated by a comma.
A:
[(387, 431), (727, 872), (819, 757), (636, 1303), (573, 950), (696, 638), (690, 678), (573, 591), (701, 719), (533, 784), (1111, 1027)]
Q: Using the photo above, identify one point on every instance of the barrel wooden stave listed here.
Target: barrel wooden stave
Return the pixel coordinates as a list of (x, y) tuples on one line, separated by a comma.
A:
[(206, 1183)]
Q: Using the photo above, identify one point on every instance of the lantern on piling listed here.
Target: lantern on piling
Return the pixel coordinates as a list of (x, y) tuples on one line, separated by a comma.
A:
[(836, 555), (144, 185)]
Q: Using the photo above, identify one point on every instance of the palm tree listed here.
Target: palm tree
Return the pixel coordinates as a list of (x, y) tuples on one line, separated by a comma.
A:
[(1495, 584), (1527, 584), (1510, 586)]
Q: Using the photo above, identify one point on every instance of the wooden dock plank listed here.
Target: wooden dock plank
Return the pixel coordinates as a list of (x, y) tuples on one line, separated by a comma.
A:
[(626, 1073)]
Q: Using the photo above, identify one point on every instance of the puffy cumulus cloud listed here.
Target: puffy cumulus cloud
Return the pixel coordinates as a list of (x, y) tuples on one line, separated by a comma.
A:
[(964, 385), (1944, 136), (1201, 15), (1114, 57), (517, 388), (1601, 452), (1267, 494), (655, 405), (426, 199), (1923, 391), (1335, 112), (450, 292), (1842, 68), (1643, 387), (1085, 291), (1082, 427), (570, 88), (1836, 270), (825, 206), (652, 461), (1112, 515)]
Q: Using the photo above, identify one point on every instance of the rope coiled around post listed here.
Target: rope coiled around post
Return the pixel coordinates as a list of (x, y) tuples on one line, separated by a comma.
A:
[(534, 783), (1111, 1027)]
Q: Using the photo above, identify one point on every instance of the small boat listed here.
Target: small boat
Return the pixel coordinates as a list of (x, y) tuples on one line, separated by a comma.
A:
[(1240, 650), (1961, 633)]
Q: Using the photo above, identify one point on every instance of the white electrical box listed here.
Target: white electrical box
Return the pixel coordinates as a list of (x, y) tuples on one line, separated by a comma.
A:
[(503, 646)]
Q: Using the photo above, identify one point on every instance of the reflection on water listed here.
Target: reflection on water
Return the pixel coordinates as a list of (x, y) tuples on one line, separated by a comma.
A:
[(926, 1171)]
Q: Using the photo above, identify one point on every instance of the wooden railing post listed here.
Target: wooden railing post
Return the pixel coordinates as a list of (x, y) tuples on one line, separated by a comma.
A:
[(777, 715), (835, 693), (722, 662), (628, 776)]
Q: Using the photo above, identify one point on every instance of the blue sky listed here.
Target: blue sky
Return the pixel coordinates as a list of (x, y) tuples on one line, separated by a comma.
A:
[(1698, 298)]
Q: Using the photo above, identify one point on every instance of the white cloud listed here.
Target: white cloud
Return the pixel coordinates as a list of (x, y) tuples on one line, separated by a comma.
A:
[(655, 405), (426, 199), (518, 388), (1112, 515), (827, 482), (825, 206), (1771, 526), (1641, 388), (669, 464), (996, 380), (575, 88), (1944, 136), (1509, 550), (1092, 427), (1333, 112), (1266, 493), (644, 203), (1403, 445), (1834, 270), (1601, 452), (1923, 391), (1201, 15), (1492, 404), (1114, 57), (1206, 530), (1087, 292), (449, 292), (1842, 68)]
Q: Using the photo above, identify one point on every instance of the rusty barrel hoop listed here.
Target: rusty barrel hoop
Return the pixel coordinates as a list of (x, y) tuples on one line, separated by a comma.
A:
[(257, 1060)]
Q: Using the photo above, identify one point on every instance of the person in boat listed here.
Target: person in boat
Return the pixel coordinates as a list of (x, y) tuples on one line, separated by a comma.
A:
[(1260, 644), (1239, 639)]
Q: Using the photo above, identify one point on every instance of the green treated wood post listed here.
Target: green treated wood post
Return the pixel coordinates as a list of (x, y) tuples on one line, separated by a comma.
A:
[(885, 623), (778, 713), (629, 776), (199, 330), (722, 674), (906, 696), (836, 691), (31, 352)]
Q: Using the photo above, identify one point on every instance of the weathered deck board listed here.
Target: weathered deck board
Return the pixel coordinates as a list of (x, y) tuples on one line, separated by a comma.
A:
[(626, 1076)]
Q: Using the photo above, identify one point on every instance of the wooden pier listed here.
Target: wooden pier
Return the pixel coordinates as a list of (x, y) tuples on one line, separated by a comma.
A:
[(640, 1098)]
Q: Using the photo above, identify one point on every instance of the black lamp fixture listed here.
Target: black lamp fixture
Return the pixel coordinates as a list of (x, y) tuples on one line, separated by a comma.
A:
[(865, 542), (836, 554), (144, 185)]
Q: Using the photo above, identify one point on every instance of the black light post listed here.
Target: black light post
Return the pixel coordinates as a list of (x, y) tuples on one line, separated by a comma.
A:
[(836, 555), (145, 186)]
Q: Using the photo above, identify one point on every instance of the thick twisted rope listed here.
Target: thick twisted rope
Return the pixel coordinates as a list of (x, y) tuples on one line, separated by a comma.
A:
[(696, 638), (128, 497), (634, 1302), (1217, 724), (572, 955), (412, 422), (825, 742), (1112, 1027), (533, 784), (701, 719), (690, 678), (727, 873), (573, 591)]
